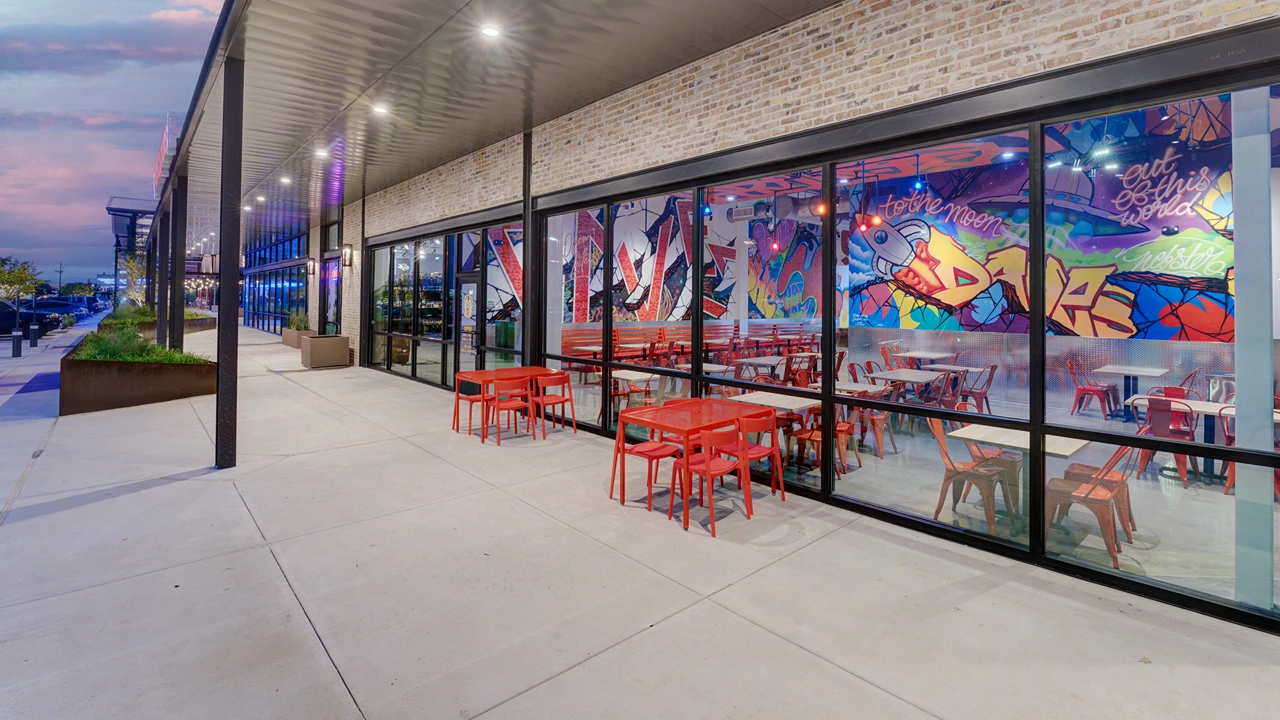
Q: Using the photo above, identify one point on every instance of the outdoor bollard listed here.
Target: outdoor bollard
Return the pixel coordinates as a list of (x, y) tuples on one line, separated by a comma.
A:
[(34, 329), (17, 343)]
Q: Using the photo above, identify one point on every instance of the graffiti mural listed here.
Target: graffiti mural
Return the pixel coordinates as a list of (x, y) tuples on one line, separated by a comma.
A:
[(653, 253), (581, 242), (776, 222), (918, 249), (504, 299)]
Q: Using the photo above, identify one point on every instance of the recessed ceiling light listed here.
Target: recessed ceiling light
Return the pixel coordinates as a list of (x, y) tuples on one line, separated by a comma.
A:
[(380, 109), (261, 199), (285, 180), (322, 153), (491, 32), (247, 208)]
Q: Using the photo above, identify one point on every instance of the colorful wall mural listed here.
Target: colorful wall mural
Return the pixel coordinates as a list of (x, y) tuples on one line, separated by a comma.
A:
[(776, 221), (653, 253), (504, 300), (580, 238), (920, 245)]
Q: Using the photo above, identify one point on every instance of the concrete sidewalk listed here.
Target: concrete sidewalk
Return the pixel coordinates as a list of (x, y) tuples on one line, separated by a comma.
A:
[(366, 561)]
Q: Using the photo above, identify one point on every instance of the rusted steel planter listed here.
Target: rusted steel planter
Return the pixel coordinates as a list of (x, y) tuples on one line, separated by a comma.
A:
[(93, 385)]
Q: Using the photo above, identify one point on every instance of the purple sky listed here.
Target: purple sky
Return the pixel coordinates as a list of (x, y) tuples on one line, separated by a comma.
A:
[(84, 89)]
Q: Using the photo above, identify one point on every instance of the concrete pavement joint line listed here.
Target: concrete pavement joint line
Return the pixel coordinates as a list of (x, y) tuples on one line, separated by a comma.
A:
[(208, 434), (298, 600), (4, 513), (825, 660), (589, 658)]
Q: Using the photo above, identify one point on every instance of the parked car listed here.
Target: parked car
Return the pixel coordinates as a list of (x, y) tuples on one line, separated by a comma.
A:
[(90, 304), (45, 319), (60, 307)]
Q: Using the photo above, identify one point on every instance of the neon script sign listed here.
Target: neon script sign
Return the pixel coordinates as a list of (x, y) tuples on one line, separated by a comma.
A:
[(1154, 189), (918, 201)]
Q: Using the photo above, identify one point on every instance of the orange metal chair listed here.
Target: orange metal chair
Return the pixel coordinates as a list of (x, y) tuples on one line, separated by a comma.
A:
[(471, 401), (652, 451), (708, 465), (764, 423), (979, 387), (509, 396), (1098, 492), (544, 400), (983, 475), (1174, 419)]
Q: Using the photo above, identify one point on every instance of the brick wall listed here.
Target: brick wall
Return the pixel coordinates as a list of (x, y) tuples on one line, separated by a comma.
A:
[(854, 59), (484, 179)]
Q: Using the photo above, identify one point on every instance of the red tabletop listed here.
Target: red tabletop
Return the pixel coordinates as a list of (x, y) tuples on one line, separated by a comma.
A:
[(484, 377)]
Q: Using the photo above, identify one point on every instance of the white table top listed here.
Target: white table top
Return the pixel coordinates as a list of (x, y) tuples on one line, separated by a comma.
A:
[(632, 375), (952, 368), (906, 375), (1204, 407), (762, 360), (633, 346), (806, 354), (1020, 440), (706, 367), (590, 348), (1132, 370), (846, 386), (776, 401), (923, 354)]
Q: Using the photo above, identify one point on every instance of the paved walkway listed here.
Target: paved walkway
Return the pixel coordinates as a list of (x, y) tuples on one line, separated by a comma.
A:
[(366, 561)]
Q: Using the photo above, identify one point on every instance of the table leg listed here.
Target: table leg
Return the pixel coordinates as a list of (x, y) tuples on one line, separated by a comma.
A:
[(686, 482), (1130, 389)]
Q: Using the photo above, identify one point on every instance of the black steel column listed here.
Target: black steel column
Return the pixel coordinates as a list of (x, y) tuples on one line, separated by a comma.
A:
[(224, 446), (178, 261), (1035, 236), (150, 295), (162, 282), (532, 352), (829, 314), (698, 277)]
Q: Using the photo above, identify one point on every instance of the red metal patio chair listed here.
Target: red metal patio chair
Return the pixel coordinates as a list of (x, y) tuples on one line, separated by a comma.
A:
[(509, 396), (983, 475), (653, 453), (544, 400), (1098, 491), (978, 387), (1087, 391), (708, 465), (1173, 419)]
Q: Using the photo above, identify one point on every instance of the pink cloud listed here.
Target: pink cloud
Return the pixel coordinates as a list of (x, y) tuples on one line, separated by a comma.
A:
[(192, 16), (213, 6), (100, 47)]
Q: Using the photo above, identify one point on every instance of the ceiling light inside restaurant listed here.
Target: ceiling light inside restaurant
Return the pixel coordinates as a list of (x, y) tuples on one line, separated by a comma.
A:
[(247, 208), (380, 109), (261, 199), (284, 180), (491, 31), (322, 153)]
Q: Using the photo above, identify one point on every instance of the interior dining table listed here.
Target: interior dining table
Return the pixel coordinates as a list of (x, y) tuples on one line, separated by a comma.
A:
[(685, 420), (1131, 373), (1207, 409)]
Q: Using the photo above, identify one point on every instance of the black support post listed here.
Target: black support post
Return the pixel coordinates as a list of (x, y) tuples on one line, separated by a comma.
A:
[(532, 352), (1036, 257), (162, 282), (177, 261), (229, 261), (698, 275), (829, 315)]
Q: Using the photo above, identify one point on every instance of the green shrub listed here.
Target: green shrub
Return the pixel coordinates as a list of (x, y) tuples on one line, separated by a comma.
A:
[(68, 320), (122, 343), (134, 314), (299, 321)]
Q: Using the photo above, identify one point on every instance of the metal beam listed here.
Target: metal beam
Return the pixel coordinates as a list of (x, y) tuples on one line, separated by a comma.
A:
[(229, 262), (162, 282), (177, 261)]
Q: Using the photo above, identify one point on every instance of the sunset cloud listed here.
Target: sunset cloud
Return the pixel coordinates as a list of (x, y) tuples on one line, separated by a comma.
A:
[(100, 47), (80, 120)]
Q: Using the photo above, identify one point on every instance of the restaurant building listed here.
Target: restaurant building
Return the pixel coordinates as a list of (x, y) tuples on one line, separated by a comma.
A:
[(994, 241)]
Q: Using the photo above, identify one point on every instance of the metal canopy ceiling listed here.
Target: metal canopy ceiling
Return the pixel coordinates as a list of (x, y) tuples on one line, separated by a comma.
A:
[(130, 220), (315, 69)]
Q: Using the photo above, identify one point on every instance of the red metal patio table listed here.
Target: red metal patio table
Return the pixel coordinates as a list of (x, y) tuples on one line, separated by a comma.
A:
[(687, 420), (485, 378)]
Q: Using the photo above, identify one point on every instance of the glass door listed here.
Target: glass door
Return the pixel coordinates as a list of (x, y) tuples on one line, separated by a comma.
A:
[(331, 297), (467, 302)]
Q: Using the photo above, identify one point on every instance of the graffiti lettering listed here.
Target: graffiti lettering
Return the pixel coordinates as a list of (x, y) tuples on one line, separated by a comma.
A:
[(1085, 303), (1154, 189), (918, 202), (1196, 259)]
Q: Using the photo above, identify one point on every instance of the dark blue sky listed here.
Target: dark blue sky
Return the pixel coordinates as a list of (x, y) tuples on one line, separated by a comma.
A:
[(84, 89)]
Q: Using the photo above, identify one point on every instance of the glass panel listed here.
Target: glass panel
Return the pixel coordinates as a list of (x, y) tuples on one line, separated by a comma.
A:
[(331, 237), (378, 351), (585, 380), (402, 289), (447, 365), (652, 278), (1123, 509), (928, 468), (799, 430), (504, 295), (380, 291), (449, 286), (331, 276), (401, 355), (762, 278), (575, 284), (468, 313), (1141, 269), (635, 388), (932, 271), (431, 288), (429, 361), (468, 244)]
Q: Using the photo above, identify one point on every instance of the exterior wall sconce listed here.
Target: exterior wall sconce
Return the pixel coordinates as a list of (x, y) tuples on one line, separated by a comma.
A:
[(348, 254), (311, 266)]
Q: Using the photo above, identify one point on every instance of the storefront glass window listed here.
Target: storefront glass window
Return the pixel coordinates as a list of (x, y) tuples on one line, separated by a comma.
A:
[(575, 284), (504, 293)]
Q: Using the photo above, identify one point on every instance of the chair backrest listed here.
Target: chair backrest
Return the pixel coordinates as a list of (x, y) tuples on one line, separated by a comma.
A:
[(853, 372), (935, 426), (546, 382), (870, 367), (790, 369), (1190, 379), (802, 378), (953, 386), (507, 388), (765, 422), (725, 439), (1163, 416), (1074, 371), (766, 380), (1227, 422), (1125, 458), (840, 363), (884, 353), (982, 381)]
